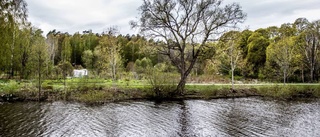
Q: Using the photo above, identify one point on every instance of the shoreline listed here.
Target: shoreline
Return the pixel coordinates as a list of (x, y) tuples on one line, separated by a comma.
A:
[(107, 95)]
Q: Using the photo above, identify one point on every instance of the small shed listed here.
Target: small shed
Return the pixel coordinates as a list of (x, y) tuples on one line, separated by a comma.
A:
[(78, 73)]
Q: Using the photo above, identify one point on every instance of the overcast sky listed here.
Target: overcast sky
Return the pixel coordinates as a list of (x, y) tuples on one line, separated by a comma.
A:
[(78, 15)]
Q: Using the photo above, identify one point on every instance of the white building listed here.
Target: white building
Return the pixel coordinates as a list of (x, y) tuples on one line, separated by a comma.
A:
[(78, 73)]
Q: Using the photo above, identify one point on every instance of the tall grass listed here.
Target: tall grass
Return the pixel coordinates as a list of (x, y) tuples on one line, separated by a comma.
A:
[(10, 87), (290, 91), (163, 84)]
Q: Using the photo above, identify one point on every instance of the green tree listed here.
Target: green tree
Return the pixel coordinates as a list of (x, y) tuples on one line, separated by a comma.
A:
[(243, 42), (24, 51), (77, 49), (90, 40), (88, 59), (17, 16), (66, 69), (39, 58), (183, 24), (108, 52), (283, 53), (301, 25), (309, 44), (142, 65), (66, 50), (256, 56)]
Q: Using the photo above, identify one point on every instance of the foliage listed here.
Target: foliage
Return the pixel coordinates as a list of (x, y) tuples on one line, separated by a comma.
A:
[(289, 91), (283, 54), (88, 59), (256, 56), (108, 54), (185, 27), (228, 53), (163, 84), (142, 65), (177, 36), (10, 87), (65, 69)]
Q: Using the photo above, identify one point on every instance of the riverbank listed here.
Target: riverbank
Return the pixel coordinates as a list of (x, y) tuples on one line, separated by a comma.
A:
[(93, 93)]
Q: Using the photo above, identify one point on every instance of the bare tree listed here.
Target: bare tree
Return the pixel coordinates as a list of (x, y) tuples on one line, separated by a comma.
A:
[(185, 26), (52, 41), (310, 37), (229, 52)]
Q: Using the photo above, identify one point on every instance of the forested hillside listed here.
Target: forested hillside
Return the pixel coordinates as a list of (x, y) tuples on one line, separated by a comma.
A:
[(288, 53)]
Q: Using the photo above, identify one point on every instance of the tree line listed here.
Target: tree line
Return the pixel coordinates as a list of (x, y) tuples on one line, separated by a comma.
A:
[(289, 53), (286, 53)]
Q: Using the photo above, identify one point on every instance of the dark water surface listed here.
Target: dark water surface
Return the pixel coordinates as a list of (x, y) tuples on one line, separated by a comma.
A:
[(220, 117)]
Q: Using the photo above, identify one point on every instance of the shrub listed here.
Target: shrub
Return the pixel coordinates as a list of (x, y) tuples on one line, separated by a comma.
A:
[(163, 84), (289, 91), (10, 87)]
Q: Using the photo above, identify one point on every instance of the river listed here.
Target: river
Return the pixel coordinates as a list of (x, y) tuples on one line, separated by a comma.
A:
[(199, 118)]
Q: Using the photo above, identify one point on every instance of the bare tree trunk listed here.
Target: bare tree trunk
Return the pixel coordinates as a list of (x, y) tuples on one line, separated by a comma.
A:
[(181, 86), (53, 51), (302, 75), (232, 78), (232, 67), (12, 52), (311, 73), (114, 69), (39, 74), (64, 79), (284, 77), (183, 75)]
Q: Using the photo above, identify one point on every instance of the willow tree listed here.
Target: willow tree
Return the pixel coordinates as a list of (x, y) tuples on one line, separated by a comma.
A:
[(185, 26)]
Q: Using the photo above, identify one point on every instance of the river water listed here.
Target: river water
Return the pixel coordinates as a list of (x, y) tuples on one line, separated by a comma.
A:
[(219, 117)]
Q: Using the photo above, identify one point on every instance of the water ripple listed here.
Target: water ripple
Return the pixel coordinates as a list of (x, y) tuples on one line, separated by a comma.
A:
[(191, 118)]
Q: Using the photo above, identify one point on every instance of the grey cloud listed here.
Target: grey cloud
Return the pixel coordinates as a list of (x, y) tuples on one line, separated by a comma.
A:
[(79, 15)]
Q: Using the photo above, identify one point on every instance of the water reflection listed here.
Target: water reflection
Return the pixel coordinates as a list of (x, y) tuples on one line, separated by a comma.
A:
[(220, 117)]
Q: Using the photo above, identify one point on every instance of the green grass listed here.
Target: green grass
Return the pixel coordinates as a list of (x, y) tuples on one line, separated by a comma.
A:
[(98, 82), (289, 91), (101, 90), (9, 87)]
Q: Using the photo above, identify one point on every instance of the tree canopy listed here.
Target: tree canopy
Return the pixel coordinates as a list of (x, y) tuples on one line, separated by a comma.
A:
[(185, 38), (185, 27)]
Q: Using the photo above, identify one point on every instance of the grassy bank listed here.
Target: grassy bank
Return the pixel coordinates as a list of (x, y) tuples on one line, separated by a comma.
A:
[(289, 92), (82, 90), (101, 91)]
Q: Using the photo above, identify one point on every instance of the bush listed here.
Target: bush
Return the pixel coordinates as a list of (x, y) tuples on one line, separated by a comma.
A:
[(163, 84), (289, 91), (316, 91), (94, 96), (10, 87)]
